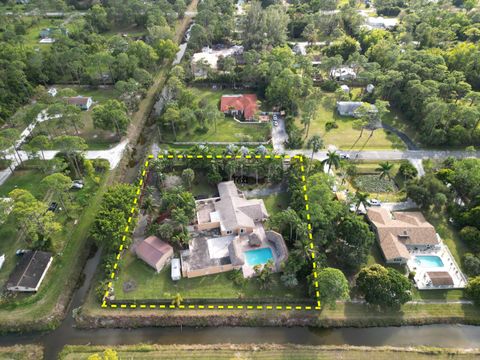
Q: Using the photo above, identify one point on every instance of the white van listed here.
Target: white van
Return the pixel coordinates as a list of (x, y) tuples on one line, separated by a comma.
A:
[(176, 275)]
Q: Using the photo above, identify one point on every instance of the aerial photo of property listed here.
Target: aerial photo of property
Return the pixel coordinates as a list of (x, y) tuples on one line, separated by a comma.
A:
[(239, 179)]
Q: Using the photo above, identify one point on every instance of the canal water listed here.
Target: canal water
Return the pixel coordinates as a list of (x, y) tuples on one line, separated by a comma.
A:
[(455, 336)]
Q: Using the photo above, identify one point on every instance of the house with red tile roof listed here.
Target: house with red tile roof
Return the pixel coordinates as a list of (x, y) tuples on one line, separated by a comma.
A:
[(244, 105)]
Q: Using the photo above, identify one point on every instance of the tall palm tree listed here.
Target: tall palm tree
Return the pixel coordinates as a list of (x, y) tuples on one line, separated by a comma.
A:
[(385, 169), (361, 198), (333, 159), (315, 143)]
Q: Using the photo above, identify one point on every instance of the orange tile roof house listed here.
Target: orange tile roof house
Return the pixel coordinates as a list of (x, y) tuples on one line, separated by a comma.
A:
[(154, 252), (240, 105), (400, 231)]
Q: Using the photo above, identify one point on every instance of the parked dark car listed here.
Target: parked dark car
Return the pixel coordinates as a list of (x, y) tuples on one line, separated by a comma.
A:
[(53, 206)]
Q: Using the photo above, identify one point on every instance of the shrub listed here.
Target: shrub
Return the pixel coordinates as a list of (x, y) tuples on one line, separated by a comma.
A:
[(329, 85), (329, 125), (471, 264), (473, 290)]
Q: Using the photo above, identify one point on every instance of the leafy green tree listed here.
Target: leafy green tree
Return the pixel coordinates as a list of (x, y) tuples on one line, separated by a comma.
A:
[(166, 49), (345, 46), (73, 147), (471, 264), (59, 184), (40, 143), (332, 286), (288, 223), (407, 170), (31, 216), (473, 289), (112, 115), (353, 243), (96, 18), (470, 235), (386, 288)]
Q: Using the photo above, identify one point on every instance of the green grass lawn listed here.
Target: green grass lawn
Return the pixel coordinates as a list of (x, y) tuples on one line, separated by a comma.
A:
[(32, 36), (227, 130), (347, 137), (23, 179), (151, 285), (275, 202), (265, 352)]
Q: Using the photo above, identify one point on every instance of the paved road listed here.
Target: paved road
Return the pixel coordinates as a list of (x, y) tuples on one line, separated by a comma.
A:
[(113, 155), (393, 154)]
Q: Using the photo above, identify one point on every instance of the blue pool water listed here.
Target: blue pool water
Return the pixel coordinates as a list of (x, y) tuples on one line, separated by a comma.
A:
[(429, 261), (258, 256)]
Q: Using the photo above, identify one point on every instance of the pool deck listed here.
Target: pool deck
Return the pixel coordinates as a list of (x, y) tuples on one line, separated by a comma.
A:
[(422, 279)]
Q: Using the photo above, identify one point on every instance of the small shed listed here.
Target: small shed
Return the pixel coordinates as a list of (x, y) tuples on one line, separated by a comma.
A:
[(176, 275), (345, 88), (154, 252)]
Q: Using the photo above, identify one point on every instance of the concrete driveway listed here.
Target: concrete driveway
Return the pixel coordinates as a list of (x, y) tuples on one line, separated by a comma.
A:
[(279, 135)]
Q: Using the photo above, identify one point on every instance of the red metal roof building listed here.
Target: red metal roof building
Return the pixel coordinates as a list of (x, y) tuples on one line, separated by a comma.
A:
[(244, 105)]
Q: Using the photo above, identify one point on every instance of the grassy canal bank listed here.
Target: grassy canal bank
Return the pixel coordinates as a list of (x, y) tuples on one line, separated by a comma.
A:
[(92, 315), (267, 351)]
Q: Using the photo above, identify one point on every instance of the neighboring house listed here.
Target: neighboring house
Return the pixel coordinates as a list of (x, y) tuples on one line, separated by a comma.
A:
[(154, 252), (82, 102), (209, 57), (381, 23), (343, 73), (240, 106), (232, 213), (349, 108), (240, 224), (30, 271), (399, 232)]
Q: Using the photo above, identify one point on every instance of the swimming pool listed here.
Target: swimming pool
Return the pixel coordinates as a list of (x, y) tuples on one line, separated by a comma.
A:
[(258, 256), (429, 261)]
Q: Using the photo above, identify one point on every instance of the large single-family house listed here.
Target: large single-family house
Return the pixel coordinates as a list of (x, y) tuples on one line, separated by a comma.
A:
[(83, 102), (231, 212), (349, 108), (209, 57), (381, 23), (154, 252), (243, 106), (399, 232), (343, 73), (29, 271), (230, 235)]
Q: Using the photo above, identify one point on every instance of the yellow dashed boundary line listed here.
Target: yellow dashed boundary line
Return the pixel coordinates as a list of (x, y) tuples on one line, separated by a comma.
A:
[(134, 209)]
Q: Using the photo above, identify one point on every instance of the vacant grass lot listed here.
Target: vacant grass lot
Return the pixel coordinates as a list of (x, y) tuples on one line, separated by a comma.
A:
[(265, 352), (23, 179), (151, 285), (347, 136), (227, 130)]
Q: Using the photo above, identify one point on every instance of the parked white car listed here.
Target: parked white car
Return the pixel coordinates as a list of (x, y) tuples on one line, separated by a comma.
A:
[(77, 184), (374, 202)]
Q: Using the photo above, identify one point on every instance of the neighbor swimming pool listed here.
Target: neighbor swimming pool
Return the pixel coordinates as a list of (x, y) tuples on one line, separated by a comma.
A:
[(258, 256), (429, 261)]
